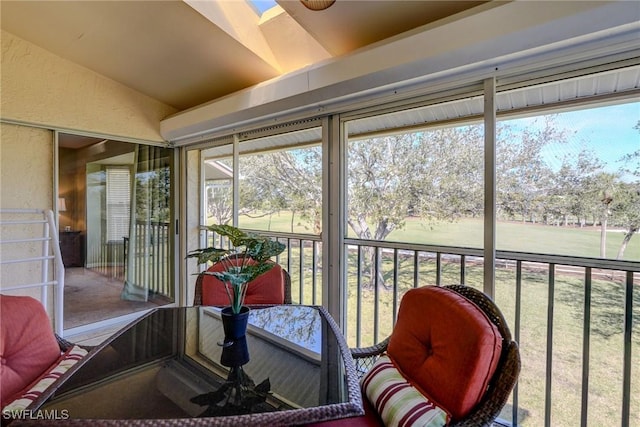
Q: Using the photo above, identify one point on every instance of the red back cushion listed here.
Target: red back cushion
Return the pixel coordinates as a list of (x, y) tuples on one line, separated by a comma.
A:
[(268, 288), (28, 346), (446, 346)]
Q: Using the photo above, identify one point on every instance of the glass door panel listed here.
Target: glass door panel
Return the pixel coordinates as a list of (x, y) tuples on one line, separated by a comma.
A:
[(117, 210)]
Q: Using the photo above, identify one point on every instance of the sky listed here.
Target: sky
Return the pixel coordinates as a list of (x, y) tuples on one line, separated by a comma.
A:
[(606, 131), (263, 5)]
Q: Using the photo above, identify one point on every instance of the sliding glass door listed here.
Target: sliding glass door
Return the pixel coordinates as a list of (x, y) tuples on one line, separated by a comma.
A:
[(117, 199)]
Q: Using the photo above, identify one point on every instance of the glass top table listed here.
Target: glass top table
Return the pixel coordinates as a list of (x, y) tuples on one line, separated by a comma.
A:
[(292, 367)]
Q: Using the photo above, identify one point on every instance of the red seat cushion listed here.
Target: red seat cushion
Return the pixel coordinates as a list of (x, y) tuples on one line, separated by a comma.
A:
[(28, 346), (446, 346), (268, 288)]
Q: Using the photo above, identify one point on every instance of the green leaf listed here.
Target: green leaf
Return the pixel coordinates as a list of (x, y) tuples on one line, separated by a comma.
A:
[(236, 236), (245, 246), (205, 255)]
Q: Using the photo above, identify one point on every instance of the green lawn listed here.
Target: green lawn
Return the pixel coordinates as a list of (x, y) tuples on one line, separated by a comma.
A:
[(522, 237), (511, 236)]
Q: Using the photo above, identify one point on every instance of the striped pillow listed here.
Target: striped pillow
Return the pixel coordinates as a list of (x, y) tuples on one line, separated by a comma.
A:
[(70, 358), (399, 403)]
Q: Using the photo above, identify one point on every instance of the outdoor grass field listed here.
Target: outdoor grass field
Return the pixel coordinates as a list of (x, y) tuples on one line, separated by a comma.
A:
[(606, 334), (511, 236)]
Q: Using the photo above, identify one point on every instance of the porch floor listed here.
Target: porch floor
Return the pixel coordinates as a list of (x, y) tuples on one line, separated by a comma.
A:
[(91, 297)]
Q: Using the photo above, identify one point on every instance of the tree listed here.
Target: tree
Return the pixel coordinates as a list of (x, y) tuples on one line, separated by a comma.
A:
[(284, 180), (382, 188), (436, 175), (378, 196), (625, 210), (153, 191), (451, 182), (220, 200), (632, 160), (571, 186), (522, 174), (603, 190)]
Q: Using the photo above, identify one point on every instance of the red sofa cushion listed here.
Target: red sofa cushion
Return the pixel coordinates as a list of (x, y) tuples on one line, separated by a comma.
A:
[(268, 288), (446, 346), (28, 346)]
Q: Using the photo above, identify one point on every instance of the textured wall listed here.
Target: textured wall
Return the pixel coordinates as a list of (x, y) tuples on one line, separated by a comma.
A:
[(26, 167), (26, 170), (41, 88)]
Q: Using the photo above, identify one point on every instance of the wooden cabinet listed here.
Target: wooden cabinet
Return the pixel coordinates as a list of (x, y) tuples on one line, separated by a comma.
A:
[(72, 248)]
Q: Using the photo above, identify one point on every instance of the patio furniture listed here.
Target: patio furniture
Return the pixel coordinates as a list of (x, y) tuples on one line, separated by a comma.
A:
[(272, 287), (171, 368), (33, 357), (423, 331)]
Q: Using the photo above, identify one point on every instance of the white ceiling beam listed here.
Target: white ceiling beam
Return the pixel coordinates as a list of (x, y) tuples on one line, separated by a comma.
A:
[(240, 21), (492, 39)]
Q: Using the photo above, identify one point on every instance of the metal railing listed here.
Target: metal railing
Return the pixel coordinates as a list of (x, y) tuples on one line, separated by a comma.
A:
[(302, 258), (576, 319), (33, 230), (573, 318), (150, 268)]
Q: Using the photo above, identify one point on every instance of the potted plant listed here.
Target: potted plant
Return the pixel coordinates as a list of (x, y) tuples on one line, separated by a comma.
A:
[(247, 258)]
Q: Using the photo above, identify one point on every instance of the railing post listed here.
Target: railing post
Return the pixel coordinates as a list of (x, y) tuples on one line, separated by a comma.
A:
[(586, 343), (44, 272), (58, 266), (626, 366), (549, 361), (516, 334)]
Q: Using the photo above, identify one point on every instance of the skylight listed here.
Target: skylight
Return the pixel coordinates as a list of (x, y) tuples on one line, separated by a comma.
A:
[(262, 5)]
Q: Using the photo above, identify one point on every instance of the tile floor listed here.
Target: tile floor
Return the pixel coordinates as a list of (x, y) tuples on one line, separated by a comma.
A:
[(91, 297)]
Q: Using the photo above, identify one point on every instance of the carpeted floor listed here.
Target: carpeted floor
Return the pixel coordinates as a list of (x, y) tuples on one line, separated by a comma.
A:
[(90, 297)]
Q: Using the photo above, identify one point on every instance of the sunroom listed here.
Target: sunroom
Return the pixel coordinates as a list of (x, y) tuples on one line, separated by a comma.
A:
[(404, 164)]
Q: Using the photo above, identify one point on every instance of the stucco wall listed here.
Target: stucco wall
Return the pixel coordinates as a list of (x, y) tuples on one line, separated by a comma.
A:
[(26, 170), (41, 88), (26, 167)]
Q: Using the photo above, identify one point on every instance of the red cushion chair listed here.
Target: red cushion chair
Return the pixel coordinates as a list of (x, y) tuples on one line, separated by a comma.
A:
[(446, 346), (272, 287), (28, 346), (453, 344)]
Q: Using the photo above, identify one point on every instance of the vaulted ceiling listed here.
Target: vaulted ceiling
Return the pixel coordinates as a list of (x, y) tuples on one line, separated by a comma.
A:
[(185, 53)]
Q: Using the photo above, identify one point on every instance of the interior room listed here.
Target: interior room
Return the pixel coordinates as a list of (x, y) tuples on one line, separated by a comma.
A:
[(95, 200)]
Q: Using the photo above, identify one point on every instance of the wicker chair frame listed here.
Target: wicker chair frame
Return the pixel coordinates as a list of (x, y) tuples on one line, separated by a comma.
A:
[(504, 378), (63, 344), (67, 345), (197, 298)]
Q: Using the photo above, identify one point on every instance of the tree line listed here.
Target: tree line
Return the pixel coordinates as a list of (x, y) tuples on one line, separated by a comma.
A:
[(438, 175)]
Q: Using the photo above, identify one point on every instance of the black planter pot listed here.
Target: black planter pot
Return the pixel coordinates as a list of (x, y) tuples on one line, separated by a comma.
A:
[(235, 354), (234, 325)]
